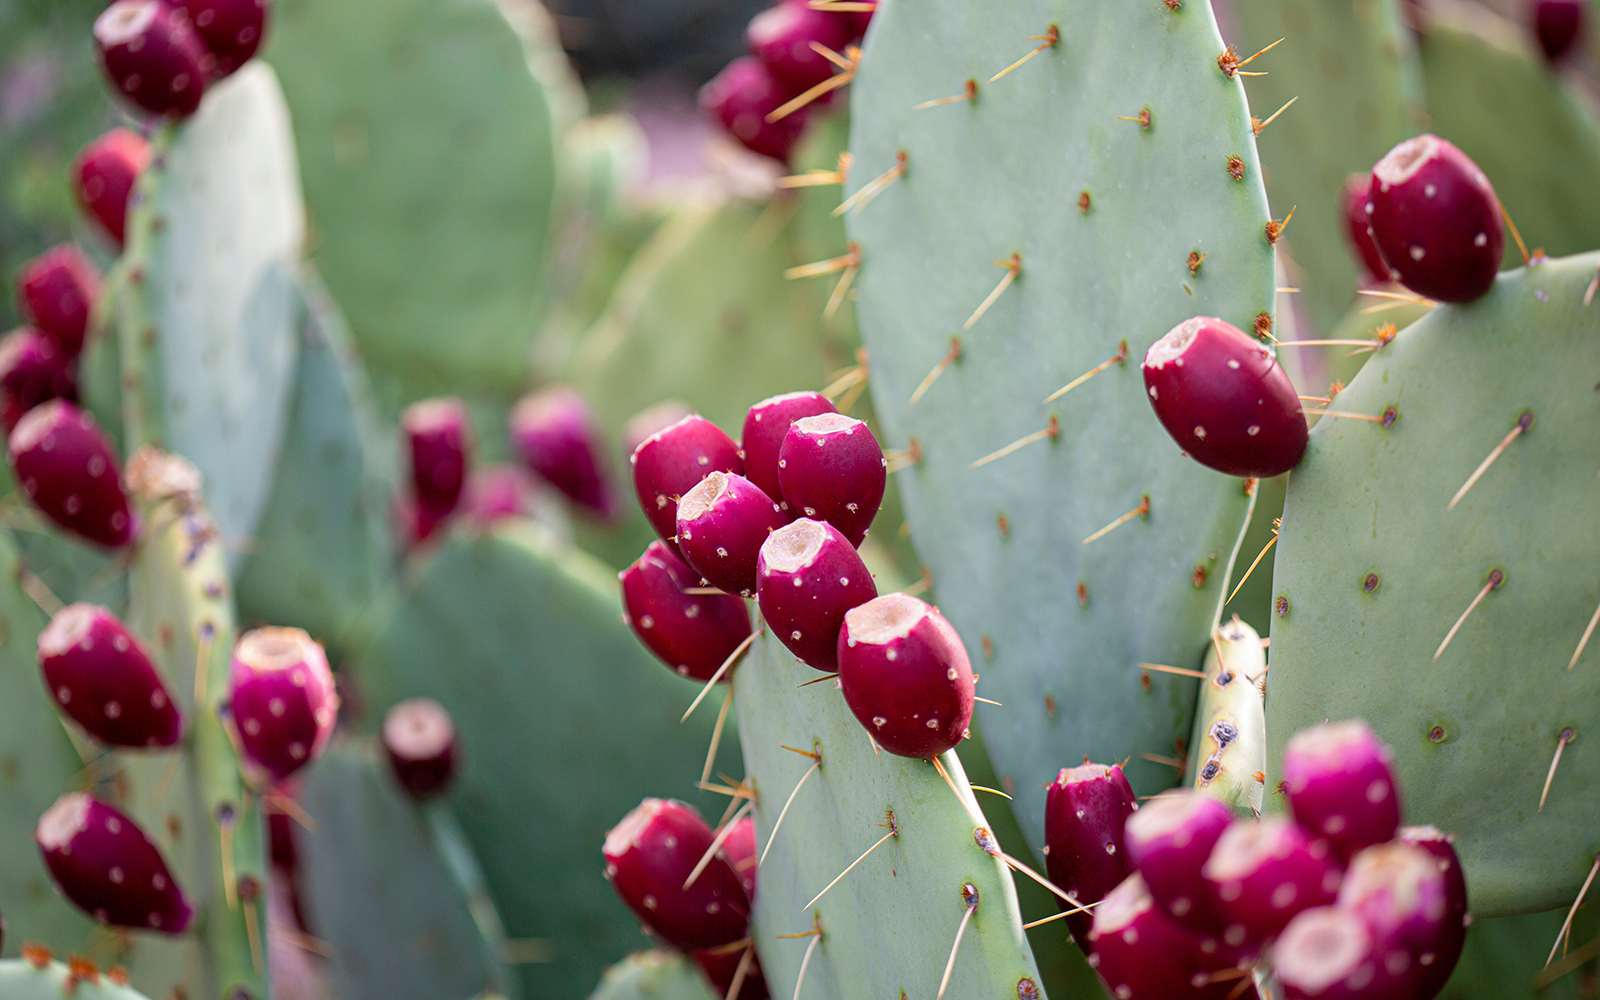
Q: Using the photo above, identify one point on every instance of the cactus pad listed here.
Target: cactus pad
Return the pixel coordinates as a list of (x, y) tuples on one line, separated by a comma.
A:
[(653, 975), (23, 980)]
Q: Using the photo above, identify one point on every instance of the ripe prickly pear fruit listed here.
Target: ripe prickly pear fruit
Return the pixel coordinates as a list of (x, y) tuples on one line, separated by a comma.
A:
[(1558, 26), (495, 493), (691, 633), (741, 97), (1263, 873), (555, 433), (1436, 219), (1168, 841), (1340, 784), (739, 850), (104, 175), (58, 291), (721, 968), (1404, 897), (649, 420), (419, 739), (69, 473), (282, 699), (670, 462), (152, 56), (231, 31), (1358, 230), (102, 679), (1225, 399), (833, 470), (32, 371), (1439, 847), (781, 38), (1086, 808), (107, 867), (905, 675), (1327, 953), (1142, 955), (437, 436), (721, 525), (650, 855), (764, 429), (809, 576)]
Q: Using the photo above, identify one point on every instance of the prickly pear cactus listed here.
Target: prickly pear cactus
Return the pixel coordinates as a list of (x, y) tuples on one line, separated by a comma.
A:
[(207, 316), (1228, 749), (652, 975), (1114, 178), (935, 863), (25, 980), (1403, 600)]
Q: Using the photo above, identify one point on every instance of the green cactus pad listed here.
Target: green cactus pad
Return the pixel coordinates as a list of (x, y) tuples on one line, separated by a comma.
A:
[(1373, 572), (565, 721), (207, 316), (653, 975), (22, 980), (381, 892), (1062, 625), (889, 925), (323, 552)]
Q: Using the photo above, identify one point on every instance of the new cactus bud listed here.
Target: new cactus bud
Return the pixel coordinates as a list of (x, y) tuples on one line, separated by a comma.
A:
[(649, 420), (721, 525), (762, 439), (1086, 808), (282, 699), (1168, 842), (741, 97), (1439, 847), (1558, 26), (437, 440), (231, 30), (832, 469), (420, 741), (1358, 230), (1404, 895), (1340, 784), (32, 371), (691, 633), (152, 56), (650, 856), (101, 678), (107, 867), (669, 463), (58, 292), (103, 179), (1142, 955), (1263, 873), (1436, 219), (69, 473), (781, 37), (555, 433), (1327, 953), (1225, 399), (809, 576), (739, 850), (905, 675)]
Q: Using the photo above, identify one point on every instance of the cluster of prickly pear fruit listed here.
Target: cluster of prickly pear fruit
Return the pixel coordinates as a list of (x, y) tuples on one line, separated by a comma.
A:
[(160, 56)]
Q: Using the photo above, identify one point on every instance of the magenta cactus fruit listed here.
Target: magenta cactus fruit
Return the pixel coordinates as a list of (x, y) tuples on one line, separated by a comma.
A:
[(69, 473), (650, 855), (419, 739), (721, 967), (58, 292), (650, 420), (1327, 953), (691, 633), (781, 38), (107, 867), (721, 525), (670, 462), (152, 56), (833, 470), (101, 678), (809, 576), (555, 433), (1224, 398), (762, 439), (1436, 219), (905, 675), (1263, 873), (1441, 849), (1086, 808), (1339, 780), (741, 97), (231, 30), (1168, 841), (496, 493), (739, 850), (1358, 230), (1558, 26), (1140, 954), (437, 435), (103, 179), (32, 371), (282, 699), (1405, 898)]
